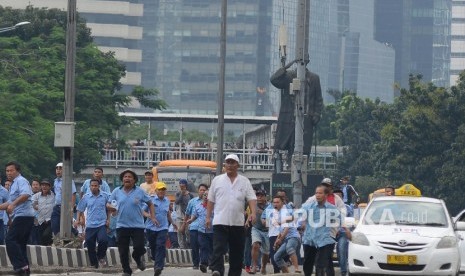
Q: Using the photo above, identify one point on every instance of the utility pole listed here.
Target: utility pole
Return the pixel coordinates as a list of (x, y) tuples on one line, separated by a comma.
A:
[(299, 86), (67, 205), (219, 144)]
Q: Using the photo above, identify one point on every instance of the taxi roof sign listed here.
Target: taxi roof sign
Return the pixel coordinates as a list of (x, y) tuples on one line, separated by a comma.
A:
[(408, 190)]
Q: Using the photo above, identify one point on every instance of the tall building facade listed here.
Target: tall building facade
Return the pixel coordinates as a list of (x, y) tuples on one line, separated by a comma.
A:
[(457, 55), (419, 31)]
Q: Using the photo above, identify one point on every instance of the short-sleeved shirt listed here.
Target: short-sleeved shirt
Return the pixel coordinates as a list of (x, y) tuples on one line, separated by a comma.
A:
[(319, 234), (278, 219), (162, 207), (19, 187), (104, 187), (148, 188), (230, 199), (96, 208), (273, 230), (130, 206), (57, 183), (200, 212), (4, 196), (45, 205), (190, 209)]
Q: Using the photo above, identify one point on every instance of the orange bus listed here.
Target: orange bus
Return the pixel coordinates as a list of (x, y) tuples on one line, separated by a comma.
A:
[(195, 171)]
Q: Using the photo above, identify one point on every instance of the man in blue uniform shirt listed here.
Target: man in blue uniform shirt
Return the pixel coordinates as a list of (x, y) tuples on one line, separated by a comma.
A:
[(19, 206), (128, 201), (56, 213)]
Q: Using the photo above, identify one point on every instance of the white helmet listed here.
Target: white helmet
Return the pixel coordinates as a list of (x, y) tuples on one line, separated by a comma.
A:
[(327, 180)]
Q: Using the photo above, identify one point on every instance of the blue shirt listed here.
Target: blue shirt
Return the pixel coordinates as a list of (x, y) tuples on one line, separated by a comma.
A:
[(104, 187), (96, 209), (200, 212), (19, 187), (190, 209), (162, 207), (57, 189), (130, 206), (4, 196), (318, 234), (280, 222)]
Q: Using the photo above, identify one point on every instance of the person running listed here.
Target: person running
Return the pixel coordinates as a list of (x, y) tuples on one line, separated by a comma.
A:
[(128, 201), (95, 223), (228, 193)]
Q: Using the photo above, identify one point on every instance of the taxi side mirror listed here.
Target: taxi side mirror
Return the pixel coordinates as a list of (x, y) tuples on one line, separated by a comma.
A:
[(460, 226)]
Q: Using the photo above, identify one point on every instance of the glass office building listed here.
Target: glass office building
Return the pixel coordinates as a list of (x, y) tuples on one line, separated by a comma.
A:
[(457, 55), (419, 31)]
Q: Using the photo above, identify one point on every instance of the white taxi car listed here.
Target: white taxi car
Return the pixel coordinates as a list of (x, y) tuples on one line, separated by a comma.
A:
[(399, 235), (459, 221)]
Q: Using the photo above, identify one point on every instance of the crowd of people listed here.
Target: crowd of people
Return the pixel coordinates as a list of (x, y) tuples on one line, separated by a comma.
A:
[(228, 216)]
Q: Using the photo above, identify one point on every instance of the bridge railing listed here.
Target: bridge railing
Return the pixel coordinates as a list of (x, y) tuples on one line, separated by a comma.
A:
[(250, 159)]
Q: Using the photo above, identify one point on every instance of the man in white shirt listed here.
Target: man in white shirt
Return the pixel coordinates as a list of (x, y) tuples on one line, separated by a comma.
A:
[(227, 197)]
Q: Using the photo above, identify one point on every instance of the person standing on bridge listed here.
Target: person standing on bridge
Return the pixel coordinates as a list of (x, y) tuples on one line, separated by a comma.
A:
[(19, 206), (96, 222), (128, 201), (228, 193)]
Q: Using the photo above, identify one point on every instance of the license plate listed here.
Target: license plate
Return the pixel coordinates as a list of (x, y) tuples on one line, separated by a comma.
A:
[(402, 259)]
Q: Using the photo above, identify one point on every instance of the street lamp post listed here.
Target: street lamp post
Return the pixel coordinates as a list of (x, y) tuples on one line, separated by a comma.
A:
[(11, 28)]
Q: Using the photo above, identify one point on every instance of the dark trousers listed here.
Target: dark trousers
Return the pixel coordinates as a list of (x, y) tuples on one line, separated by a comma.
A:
[(321, 257), (194, 240), (234, 237), (173, 239), (45, 233), (94, 235), (125, 236), (16, 240), (276, 268), (55, 220), (206, 247), (34, 238), (2, 232), (157, 242)]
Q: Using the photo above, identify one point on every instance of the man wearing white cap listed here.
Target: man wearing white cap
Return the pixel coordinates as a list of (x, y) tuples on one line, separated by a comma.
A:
[(227, 197), (57, 187)]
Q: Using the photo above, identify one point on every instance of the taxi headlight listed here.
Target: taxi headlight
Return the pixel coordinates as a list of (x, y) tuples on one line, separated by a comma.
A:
[(360, 238), (447, 242)]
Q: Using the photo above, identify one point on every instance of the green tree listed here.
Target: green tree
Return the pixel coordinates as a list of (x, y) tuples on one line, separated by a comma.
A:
[(32, 87)]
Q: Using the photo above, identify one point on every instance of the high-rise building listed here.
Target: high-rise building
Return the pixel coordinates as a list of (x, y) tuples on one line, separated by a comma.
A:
[(457, 52), (419, 31)]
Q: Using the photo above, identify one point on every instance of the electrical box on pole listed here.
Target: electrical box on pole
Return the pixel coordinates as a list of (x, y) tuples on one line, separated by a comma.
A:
[(64, 134)]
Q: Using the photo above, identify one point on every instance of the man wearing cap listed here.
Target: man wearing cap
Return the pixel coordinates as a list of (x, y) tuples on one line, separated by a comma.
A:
[(128, 201), (194, 225), (148, 186), (57, 187), (228, 193), (19, 206), (98, 174), (182, 200), (157, 233), (95, 223), (43, 202)]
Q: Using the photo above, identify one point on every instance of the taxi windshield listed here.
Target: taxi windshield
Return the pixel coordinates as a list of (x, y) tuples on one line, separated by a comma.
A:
[(406, 213)]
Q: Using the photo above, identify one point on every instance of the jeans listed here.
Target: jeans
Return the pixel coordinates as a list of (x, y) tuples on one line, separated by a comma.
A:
[(125, 235), (16, 240), (157, 241), (206, 247), (173, 239), (248, 248), (342, 251), (289, 247), (234, 237), (94, 235), (320, 257), (195, 247)]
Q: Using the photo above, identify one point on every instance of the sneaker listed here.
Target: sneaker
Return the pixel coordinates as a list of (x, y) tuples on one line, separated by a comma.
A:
[(203, 268), (157, 271), (102, 263), (247, 269), (141, 264), (216, 273)]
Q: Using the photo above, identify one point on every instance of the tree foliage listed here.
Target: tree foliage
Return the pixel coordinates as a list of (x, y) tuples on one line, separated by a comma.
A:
[(32, 75)]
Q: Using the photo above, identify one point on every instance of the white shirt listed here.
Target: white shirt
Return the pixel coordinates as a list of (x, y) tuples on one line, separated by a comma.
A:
[(230, 199)]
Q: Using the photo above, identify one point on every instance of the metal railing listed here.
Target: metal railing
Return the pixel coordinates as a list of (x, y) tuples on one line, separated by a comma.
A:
[(250, 159)]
